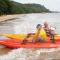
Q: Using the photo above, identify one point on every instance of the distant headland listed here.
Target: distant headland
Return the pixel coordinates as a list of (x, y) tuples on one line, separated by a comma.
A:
[(12, 7)]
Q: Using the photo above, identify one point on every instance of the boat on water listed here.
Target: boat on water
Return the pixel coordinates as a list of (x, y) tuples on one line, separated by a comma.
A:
[(15, 41)]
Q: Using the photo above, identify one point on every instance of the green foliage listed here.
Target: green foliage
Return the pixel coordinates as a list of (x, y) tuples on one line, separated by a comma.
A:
[(5, 7), (28, 8), (11, 7)]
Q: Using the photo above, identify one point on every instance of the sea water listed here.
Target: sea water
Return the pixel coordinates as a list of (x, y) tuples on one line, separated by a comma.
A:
[(26, 23)]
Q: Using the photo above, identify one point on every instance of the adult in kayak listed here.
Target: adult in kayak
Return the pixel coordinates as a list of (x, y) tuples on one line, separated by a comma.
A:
[(40, 35), (50, 31)]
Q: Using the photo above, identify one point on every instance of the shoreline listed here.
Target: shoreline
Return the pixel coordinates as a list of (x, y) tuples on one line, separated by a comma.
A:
[(13, 16), (7, 17)]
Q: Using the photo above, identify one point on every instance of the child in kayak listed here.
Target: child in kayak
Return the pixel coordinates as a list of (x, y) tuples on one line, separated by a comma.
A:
[(50, 31), (40, 34)]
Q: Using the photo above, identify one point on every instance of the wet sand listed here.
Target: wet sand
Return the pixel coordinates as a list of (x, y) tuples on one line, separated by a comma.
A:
[(4, 51), (7, 17), (6, 24)]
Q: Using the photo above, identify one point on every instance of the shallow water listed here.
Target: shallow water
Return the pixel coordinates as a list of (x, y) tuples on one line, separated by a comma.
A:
[(26, 23), (31, 20)]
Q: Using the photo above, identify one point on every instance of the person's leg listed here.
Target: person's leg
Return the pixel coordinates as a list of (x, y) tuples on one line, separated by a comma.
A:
[(39, 39), (24, 41), (33, 41), (52, 38)]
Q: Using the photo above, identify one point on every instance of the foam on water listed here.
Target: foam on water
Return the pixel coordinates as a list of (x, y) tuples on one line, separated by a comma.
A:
[(26, 54)]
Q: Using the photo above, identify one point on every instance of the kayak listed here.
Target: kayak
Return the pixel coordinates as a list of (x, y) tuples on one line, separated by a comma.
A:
[(15, 41), (15, 36), (22, 36), (17, 44)]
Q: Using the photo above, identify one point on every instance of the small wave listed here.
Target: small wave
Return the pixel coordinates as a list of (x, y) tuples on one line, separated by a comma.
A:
[(26, 54)]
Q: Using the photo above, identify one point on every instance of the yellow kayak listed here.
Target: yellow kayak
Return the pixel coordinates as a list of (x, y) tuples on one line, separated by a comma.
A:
[(14, 36), (22, 36)]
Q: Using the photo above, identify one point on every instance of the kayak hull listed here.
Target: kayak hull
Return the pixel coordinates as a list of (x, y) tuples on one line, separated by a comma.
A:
[(18, 44), (15, 41)]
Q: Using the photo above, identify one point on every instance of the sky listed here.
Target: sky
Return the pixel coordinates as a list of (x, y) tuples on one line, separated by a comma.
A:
[(53, 5)]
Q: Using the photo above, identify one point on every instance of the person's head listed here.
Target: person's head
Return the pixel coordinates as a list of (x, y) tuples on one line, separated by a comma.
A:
[(39, 26), (46, 24)]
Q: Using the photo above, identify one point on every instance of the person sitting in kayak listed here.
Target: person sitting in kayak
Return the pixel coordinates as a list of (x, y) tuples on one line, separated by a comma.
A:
[(40, 34), (50, 31)]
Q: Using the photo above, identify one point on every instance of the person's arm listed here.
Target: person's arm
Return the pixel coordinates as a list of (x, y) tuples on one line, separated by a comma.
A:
[(36, 35), (28, 35)]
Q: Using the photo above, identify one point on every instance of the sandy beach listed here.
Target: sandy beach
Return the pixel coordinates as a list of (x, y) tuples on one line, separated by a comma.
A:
[(7, 17)]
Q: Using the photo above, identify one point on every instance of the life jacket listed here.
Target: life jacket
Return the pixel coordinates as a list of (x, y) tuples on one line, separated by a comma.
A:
[(41, 34), (50, 30)]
